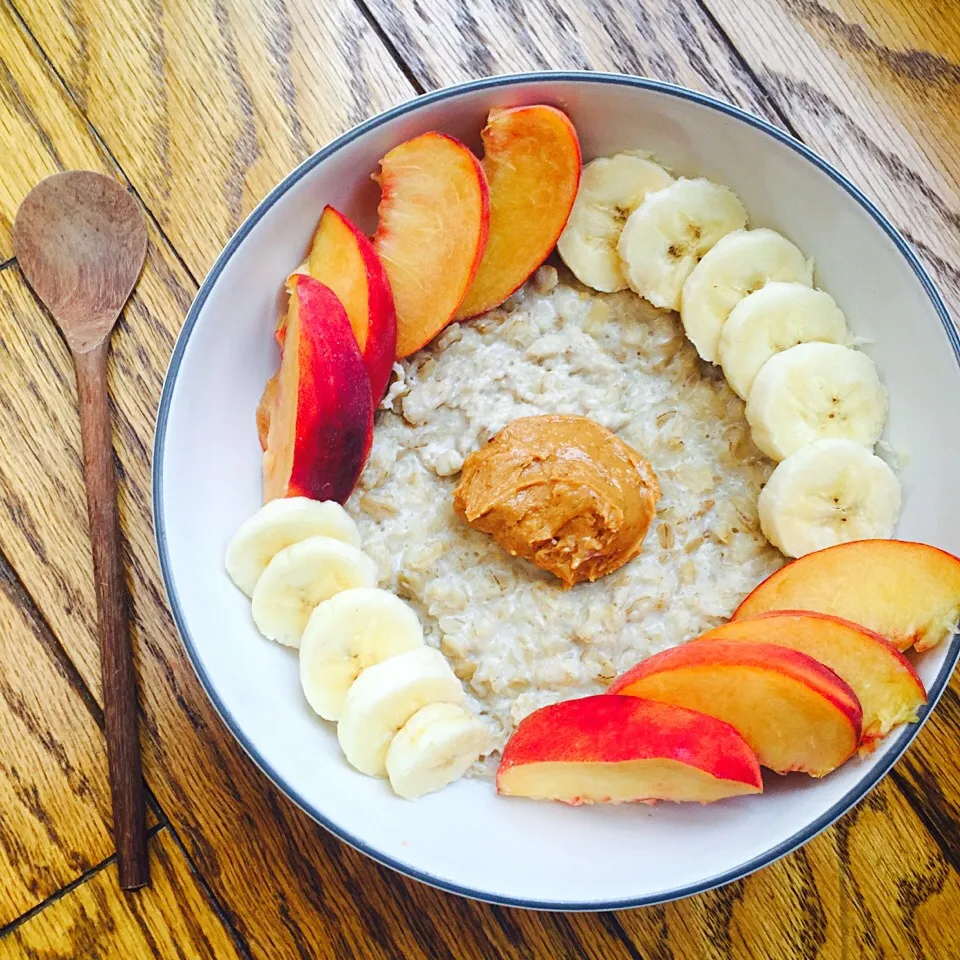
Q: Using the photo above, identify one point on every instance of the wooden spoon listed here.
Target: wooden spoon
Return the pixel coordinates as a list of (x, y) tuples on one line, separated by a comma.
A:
[(80, 240)]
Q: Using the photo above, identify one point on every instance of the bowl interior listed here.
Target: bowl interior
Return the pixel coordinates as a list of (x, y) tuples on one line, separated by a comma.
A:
[(208, 481)]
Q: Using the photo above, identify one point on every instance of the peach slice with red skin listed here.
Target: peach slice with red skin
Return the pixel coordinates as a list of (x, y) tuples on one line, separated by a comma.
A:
[(604, 749), (531, 156), (343, 259), (321, 420), (434, 217), (906, 592), (887, 686), (794, 712)]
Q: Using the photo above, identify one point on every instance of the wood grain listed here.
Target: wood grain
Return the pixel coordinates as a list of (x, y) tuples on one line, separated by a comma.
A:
[(449, 41), (53, 773), (873, 85), (170, 918), (866, 888), (207, 108), (287, 887)]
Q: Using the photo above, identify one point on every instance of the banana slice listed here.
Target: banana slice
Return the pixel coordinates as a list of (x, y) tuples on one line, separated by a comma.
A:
[(278, 524), (665, 237), (815, 391), (436, 746), (385, 696), (774, 318), (611, 188), (828, 492), (740, 263), (300, 577), (346, 634)]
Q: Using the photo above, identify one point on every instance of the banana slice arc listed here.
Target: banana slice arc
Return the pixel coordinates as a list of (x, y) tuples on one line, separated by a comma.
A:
[(828, 492), (665, 237), (279, 524), (774, 318), (740, 263), (302, 576), (346, 634), (611, 188), (384, 697), (436, 746), (816, 391)]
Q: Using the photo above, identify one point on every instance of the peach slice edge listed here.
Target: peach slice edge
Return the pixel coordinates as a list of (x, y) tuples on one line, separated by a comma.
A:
[(784, 627), (420, 250), (532, 162), (815, 582), (740, 683)]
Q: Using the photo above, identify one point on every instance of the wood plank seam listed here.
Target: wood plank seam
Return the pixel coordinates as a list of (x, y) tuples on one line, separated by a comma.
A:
[(27, 599), (71, 886), (45, 631), (101, 143), (386, 40), (762, 88), (225, 918), (26, 602), (17, 588)]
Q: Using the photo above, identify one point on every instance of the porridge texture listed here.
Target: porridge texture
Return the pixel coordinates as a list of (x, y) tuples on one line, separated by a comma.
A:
[(516, 638)]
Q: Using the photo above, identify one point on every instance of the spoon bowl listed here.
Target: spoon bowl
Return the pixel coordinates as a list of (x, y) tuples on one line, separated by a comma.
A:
[(80, 240)]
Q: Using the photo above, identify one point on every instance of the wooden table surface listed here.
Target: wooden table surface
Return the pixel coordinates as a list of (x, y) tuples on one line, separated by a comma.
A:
[(200, 108)]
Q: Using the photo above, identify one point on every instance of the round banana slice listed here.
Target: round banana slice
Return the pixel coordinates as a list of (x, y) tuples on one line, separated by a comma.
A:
[(815, 391), (740, 263), (346, 634), (774, 318), (665, 237), (611, 188), (436, 746), (300, 577), (279, 524), (385, 696), (828, 492)]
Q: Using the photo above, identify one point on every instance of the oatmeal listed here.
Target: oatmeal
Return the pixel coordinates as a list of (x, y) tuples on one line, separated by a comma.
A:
[(514, 636)]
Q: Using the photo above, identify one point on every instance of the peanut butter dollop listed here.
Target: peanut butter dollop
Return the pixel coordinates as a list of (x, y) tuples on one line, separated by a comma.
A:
[(562, 492)]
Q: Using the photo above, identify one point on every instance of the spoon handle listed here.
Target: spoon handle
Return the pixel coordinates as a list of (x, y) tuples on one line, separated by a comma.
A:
[(116, 655)]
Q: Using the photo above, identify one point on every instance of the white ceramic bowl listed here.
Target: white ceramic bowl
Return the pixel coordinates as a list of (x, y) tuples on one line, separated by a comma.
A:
[(207, 480)]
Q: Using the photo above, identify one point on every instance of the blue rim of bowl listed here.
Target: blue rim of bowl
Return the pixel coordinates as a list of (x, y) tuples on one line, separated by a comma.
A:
[(893, 752)]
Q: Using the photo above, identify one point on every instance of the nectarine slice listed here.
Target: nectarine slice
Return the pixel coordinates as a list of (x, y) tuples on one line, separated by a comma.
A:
[(794, 712), (268, 400), (531, 156), (434, 216), (616, 749), (887, 686), (344, 259), (907, 592), (321, 422)]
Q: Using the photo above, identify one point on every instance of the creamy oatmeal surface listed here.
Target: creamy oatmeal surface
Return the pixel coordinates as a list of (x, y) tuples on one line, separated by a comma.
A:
[(515, 637)]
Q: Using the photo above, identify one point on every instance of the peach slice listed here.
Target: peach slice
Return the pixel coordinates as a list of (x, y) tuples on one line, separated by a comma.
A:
[(887, 686), (617, 749), (434, 217), (795, 713), (531, 156), (321, 422), (344, 259), (907, 592), (268, 400)]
